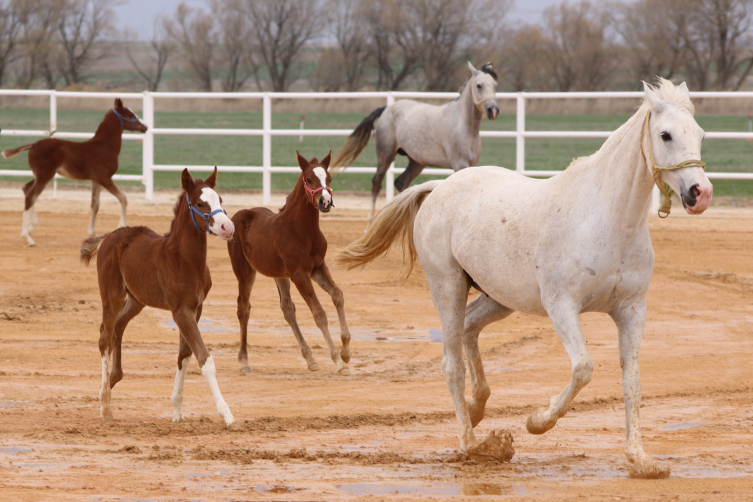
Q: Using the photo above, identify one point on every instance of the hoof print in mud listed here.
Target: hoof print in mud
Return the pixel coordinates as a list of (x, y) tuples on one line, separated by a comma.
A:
[(497, 446)]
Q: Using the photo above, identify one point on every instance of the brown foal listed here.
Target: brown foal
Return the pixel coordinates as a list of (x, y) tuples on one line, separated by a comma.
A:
[(136, 267), (95, 159), (288, 246)]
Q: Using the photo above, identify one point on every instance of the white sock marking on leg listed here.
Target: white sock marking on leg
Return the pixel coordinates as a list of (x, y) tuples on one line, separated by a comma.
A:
[(210, 373), (177, 397)]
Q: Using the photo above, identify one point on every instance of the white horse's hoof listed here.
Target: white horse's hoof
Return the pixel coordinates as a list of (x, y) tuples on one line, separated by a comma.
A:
[(29, 240), (538, 425), (314, 366), (648, 469), (229, 419), (245, 370), (497, 446), (344, 371)]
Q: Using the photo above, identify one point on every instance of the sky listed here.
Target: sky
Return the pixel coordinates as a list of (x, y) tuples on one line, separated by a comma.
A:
[(138, 15)]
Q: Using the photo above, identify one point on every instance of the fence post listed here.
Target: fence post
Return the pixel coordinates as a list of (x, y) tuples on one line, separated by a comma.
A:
[(266, 176), (520, 140), (147, 151), (389, 188)]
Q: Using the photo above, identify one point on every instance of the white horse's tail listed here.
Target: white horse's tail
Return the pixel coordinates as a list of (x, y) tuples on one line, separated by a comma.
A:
[(393, 223)]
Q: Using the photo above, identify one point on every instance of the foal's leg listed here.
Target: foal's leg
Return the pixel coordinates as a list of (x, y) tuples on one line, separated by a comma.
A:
[(131, 309), (246, 276), (478, 314), (108, 185), (112, 303), (96, 189), (630, 320), (185, 318), (303, 282), (32, 192), (564, 316), (288, 310), (324, 279), (184, 359), (411, 172)]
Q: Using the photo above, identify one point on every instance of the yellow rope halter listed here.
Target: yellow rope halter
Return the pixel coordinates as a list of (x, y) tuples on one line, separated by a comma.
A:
[(666, 192)]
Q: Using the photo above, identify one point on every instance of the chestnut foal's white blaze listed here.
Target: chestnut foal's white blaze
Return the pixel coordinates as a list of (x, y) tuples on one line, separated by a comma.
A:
[(222, 226), (322, 175), (577, 242)]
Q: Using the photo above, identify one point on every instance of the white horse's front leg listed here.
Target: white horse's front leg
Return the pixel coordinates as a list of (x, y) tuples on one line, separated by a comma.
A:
[(630, 321), (564, 317)]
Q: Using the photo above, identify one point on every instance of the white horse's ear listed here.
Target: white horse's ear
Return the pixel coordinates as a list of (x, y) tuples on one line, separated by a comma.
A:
[(471, 67), (652, 98), (684, 88)]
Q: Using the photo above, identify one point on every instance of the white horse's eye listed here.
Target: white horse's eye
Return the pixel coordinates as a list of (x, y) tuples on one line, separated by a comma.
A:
[(478, 85), (666, 136)]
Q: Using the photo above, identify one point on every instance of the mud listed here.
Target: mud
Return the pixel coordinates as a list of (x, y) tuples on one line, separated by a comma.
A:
[(387, 431)]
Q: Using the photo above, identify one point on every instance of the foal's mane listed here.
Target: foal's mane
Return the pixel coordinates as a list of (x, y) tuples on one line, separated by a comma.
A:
[(176, 208)]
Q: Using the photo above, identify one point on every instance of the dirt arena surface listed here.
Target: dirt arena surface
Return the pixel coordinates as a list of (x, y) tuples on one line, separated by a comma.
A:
[(388, 431)]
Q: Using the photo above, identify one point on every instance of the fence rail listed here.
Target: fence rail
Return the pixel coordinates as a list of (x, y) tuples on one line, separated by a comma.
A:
[(266, 132)]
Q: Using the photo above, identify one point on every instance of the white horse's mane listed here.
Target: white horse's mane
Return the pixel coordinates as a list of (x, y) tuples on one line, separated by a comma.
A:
[(672, 94)]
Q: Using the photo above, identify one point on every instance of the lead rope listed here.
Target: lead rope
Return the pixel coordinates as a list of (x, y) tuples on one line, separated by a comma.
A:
[(666, 192)]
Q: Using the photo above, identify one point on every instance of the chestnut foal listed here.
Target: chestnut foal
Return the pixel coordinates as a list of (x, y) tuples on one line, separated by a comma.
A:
[(95, 159), (137, 267), (288, 246)]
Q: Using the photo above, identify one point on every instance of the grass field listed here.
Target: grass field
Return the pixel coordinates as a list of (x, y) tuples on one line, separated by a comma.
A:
[(541, 154)]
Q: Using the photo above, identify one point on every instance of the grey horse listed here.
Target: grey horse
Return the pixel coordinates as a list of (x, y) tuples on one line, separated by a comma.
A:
[(439, 136)]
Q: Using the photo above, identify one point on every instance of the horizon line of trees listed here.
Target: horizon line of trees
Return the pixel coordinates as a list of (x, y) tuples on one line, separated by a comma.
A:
[(331, 45)]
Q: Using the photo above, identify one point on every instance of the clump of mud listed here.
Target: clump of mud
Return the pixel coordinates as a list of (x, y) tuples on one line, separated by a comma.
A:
[(497, 446)]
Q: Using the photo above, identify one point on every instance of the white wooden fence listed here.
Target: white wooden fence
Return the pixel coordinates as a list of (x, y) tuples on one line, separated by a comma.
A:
[(266, 132)]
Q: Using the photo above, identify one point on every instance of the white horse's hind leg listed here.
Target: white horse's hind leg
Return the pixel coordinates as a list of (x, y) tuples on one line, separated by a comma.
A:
[(478, 314), (564, 317), (630, 321)]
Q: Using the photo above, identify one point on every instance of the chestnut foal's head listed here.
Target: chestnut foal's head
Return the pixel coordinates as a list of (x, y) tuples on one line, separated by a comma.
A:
[(129, 121), (316, 180), (206, 201)]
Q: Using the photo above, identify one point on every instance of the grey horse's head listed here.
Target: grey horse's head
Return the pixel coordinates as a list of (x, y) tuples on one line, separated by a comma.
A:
[(483, 89)]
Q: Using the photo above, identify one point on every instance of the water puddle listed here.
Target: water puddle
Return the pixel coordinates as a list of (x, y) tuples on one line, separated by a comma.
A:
[(15, 450), (677, 427), (195, 475), (7, 405), (206, 325), (433, 336), (276, 489)]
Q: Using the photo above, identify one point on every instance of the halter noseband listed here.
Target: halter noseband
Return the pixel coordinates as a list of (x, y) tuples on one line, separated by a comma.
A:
[(666, 192), (126, 119), (314, 192), (203, 215)]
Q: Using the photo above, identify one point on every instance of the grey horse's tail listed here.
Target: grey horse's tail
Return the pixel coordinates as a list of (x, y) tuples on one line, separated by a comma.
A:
[(394, 223), (357, 140)]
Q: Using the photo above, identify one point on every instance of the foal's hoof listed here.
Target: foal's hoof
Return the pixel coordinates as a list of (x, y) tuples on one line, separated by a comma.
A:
[(106, 417), (345, 354), (246, 370), (30, 241), (497, 446), (314, 367), (647, 469), (344, 371)]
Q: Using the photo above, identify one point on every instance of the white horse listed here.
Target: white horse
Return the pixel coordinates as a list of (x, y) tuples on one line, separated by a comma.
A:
[(577, 242)]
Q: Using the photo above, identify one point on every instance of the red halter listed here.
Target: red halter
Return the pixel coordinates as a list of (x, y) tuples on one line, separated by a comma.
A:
[(314, 192)]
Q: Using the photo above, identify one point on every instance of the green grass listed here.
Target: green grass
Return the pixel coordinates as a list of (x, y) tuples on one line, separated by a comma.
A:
[(541, 154)]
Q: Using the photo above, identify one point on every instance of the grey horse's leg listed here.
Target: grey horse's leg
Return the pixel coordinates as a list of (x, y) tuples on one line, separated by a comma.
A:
[(386, 151), (411, 172), (478, 314)]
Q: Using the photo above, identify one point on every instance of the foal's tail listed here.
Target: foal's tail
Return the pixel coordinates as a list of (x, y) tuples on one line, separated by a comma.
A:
[(12, 152), (90, 248), (394, 223), (356, 141)]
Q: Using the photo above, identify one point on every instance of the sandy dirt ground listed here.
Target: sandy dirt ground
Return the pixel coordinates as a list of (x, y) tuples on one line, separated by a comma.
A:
[(387, 431)]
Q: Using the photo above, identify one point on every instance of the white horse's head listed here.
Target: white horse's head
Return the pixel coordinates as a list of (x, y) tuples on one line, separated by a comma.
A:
[(483, 90), (675, 137)]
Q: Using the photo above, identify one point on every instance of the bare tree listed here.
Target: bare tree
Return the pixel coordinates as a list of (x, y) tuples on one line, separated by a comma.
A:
[(39, 19), (579, 54), (279, 29), (81, 29), (653, 33), (194, 31), (234, 34), (10, 31), (525, 65), (352, 41), (157, 54)]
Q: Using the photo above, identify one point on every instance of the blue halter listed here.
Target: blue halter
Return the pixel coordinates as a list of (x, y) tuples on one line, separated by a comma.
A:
[(126, 119), (203, 215)]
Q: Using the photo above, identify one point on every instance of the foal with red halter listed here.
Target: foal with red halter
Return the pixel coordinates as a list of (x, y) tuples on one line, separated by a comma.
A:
[(288, 246), (95, 159), (137, 267)]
